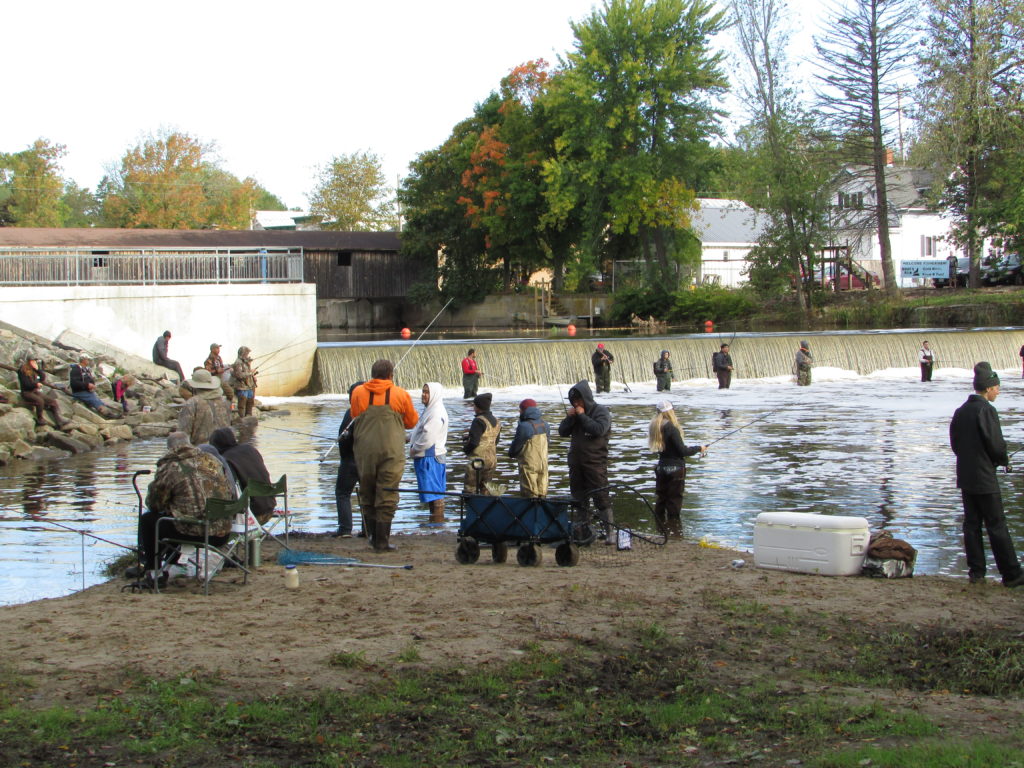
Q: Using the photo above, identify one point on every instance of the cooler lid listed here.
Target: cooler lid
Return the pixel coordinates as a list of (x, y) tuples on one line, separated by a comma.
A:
[(810, 520)]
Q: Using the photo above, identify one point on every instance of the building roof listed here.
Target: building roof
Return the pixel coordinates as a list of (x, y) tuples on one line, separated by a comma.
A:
[(312, 240), (279, 219), (726, 221), (906, 187)]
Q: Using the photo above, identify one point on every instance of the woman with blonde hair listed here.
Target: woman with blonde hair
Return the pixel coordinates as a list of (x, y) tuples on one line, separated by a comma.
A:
[(666, 439)]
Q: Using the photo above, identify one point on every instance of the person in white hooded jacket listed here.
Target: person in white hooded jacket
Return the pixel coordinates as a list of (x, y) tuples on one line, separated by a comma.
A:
[(427, 449)]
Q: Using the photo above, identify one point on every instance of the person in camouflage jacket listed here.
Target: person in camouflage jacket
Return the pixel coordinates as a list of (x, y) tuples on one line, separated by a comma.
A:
[(185, 478)]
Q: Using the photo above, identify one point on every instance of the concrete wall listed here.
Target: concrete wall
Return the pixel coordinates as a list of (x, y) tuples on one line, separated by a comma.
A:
[(277, 321)]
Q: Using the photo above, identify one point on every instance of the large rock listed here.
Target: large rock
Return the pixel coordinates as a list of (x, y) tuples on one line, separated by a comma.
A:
[(117, 432), (67, 442), (40, 454), (80, 413), (18, 424), (21, 449), (85, 427), (154, 430), (93, 441)]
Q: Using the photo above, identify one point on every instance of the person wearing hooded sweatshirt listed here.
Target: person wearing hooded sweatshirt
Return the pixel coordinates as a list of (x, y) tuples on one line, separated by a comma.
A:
[(427, 449), (802, 365), (243, 381), (247, 465), (977, 440), (588, 425), (663, 371), (382, 412), (481, 442), (348, 472), (206, 410), (530, 448)]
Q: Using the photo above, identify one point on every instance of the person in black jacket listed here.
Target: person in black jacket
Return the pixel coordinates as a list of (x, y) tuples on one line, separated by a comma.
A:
[(721, 364), (83, 387), (602, 361), (348, 474), (977, 440), (588, 425), (247, 465), (160, 357), (666, 438), (31, 379)]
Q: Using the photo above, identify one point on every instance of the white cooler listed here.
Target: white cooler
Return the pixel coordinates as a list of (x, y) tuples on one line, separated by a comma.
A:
[(831, 545)]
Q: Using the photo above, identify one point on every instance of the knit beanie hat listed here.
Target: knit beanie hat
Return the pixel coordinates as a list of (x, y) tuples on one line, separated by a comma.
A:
[(527, 403), (984, 377), (483, 402)]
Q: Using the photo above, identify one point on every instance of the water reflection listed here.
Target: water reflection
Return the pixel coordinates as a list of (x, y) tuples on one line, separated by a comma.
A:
[(872, 446)]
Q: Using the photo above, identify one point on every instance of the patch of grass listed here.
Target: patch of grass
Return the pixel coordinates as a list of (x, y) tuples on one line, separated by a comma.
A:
[(410, 654), (116, 567), (945, 753), (347, 660)]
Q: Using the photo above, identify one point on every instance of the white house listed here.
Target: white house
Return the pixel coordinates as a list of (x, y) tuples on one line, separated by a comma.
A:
[(727, 230)]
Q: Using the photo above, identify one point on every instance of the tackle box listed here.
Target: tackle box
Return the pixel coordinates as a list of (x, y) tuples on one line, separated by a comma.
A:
[(830, 545)]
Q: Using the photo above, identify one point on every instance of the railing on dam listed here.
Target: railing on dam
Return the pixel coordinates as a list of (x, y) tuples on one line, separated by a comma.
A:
[(149, 266)]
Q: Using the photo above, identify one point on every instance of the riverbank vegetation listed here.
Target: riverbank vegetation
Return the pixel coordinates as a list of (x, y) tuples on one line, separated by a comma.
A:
[(765, 686)]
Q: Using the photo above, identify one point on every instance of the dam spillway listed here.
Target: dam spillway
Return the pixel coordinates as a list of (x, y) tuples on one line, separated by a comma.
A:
[(566, 361)]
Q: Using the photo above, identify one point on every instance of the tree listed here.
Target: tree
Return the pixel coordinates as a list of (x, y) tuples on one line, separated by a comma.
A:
[(31, 186), (863, 55), (80, 206), (171, 181), (787, 177), (971, 102), (633, 111), (352, 195)]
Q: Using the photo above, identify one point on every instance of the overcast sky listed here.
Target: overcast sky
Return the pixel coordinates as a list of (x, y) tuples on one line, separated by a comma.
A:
[(279, 87)]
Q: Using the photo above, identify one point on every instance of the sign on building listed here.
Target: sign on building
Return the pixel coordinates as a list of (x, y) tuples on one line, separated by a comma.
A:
[(925, 269)]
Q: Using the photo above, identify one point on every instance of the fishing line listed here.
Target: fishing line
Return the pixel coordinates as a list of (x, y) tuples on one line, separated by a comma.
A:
[(86, 533), (410, 349), (294, 432), (734, 431)]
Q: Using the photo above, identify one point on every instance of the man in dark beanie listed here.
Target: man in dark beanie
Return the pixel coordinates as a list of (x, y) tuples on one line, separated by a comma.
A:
[(481, 442), (977, 441)]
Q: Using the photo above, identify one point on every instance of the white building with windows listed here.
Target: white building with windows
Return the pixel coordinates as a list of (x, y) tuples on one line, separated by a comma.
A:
[(727, 230)]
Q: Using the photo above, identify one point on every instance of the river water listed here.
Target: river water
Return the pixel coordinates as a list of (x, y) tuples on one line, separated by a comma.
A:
[(871, 445)]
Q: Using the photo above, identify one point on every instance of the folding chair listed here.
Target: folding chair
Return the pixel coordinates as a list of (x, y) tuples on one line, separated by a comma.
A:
[(256, 489), (216, 509)]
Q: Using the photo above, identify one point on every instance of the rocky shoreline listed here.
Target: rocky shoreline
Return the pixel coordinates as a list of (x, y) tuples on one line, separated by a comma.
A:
[(153, 401)]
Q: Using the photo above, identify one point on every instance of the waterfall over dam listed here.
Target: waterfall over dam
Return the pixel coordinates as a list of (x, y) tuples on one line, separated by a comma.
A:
[(566, 361)]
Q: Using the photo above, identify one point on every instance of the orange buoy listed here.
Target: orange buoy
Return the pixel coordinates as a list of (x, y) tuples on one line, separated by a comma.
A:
[(708, 326), (406, 333), (571, 329)]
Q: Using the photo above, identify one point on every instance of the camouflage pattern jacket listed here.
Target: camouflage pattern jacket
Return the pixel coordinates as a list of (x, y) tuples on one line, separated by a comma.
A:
[(185, 478), (203, 413)]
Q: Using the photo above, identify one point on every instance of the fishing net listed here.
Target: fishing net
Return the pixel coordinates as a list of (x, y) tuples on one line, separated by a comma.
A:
[(621, 546), (298, 557)]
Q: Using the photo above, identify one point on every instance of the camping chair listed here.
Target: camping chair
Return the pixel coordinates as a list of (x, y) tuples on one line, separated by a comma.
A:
[(216, 509), (256, 489)]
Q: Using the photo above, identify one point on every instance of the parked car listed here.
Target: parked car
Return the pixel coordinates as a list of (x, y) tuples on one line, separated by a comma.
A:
[(963, 269), (1006, 270)]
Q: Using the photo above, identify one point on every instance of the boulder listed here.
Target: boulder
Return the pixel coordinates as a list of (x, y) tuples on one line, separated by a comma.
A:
[(66, 442), (154, 430), (117, 432), (40, 454), (18, 424), (85, 427), (80, 413), (21, 449), (93, 441)]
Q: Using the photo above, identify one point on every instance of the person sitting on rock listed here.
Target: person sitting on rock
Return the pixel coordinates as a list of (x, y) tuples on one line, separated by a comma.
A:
[(31, 379), (83, 387), (205, 411)]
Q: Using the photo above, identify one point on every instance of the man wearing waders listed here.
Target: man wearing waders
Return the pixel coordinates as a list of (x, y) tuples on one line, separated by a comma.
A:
[(977, 440), (381, 412), (721, 364), (927, 360), (802, 365), (602, 361), (530, 448), (470, 375), (481, 442), (663, 371), (588, 425)]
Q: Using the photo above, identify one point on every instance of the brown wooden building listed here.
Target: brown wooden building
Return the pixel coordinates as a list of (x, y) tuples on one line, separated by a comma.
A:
[(343, 265)]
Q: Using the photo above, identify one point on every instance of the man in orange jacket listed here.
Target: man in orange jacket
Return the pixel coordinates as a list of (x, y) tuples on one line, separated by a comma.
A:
[(381, 412)]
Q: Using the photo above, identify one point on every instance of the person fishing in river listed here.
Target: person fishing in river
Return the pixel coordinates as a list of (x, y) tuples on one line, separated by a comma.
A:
[(802, 365), (663, 372), (427, 450), (665, 437), (602, 361), (471, 374), (721, 364), (243, 382)]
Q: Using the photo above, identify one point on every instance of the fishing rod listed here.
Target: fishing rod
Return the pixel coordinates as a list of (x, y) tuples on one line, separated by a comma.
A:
[(91, 535), (295, 432), (734, 431), (266, 358), (410, 349)]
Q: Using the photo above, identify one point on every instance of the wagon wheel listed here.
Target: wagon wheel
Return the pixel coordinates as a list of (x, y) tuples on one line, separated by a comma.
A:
[(499, 552), (467, 552), (529, 555), (567, 554)]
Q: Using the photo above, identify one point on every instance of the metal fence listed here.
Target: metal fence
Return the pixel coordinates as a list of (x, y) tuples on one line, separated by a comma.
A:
[(149, 266)]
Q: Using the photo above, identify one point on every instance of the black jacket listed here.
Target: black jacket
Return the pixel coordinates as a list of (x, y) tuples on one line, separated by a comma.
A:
[(675, 452), (601, 359), (81, 378), (589, 431), (721, 361), (977, 440), (477, 429)]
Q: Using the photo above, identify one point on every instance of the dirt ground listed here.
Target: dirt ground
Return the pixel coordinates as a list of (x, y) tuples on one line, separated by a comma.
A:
[(263, 639)]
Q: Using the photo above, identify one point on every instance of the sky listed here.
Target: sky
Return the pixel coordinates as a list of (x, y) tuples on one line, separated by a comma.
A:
[(278, 88)]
